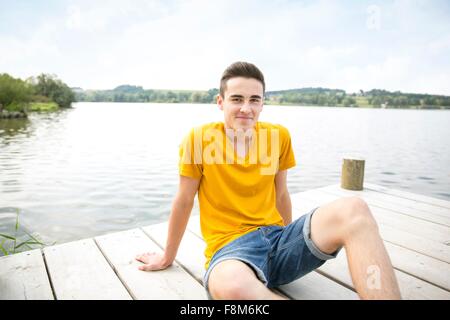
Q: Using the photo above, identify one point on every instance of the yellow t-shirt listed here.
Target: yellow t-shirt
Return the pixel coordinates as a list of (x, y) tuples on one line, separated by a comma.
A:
[(236, 193)]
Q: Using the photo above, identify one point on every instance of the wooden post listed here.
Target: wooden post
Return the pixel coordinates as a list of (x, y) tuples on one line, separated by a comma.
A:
[(352, 174)]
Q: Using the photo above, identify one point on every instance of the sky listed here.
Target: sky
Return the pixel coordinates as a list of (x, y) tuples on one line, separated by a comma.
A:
[(186, 44)]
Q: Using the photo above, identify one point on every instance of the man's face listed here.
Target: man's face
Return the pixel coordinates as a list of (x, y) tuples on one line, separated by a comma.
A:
[(242, 103)]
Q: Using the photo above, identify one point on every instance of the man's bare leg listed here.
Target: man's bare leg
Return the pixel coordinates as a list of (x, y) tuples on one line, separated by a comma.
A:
[(348, 222), (234, 280)]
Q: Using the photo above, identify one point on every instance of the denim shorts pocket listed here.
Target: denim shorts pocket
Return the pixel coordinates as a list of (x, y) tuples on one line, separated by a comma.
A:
[(285, 263), (290, 243), (292, 263)]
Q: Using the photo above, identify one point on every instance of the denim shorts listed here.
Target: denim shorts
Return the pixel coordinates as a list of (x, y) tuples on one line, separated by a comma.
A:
[(278, 255)]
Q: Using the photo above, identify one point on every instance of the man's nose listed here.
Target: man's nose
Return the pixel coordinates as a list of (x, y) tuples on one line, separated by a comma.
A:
[(246, 108)]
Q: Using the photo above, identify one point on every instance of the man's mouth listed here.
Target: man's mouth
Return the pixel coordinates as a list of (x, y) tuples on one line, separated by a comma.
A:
[(249, 118)]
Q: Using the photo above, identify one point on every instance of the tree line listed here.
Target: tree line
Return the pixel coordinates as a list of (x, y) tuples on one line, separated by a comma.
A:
[(17, 94), (129, 93), (304, 96), (374, 98)]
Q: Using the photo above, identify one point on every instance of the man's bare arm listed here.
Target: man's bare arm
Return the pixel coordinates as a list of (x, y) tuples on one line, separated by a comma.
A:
[(178, 219), (284, 205)]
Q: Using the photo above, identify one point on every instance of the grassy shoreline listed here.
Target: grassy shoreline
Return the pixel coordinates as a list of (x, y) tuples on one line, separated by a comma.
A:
[(43, 106), (21, 110), (364, 106)]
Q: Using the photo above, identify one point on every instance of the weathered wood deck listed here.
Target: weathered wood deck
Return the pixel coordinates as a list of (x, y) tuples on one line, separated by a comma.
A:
[(415, 228)]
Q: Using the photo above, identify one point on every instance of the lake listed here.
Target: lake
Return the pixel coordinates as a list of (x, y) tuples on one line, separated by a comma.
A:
[(104, 167)]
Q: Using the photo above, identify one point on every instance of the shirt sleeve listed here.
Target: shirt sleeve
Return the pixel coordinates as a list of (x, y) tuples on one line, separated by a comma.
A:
[(287, 158), (190, 164)]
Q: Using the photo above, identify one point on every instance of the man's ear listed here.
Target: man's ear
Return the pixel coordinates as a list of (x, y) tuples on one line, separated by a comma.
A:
[(219, 102)]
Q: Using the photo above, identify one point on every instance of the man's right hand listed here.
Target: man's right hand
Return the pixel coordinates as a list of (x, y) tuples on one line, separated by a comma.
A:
[(152, 261), (178, 219)]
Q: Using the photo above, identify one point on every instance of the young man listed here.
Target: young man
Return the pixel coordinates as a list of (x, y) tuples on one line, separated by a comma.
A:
[(239, 169)]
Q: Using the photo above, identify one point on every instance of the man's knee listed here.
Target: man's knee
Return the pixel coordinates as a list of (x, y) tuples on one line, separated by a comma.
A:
[(355, 216), (340, 221), (231, 280)]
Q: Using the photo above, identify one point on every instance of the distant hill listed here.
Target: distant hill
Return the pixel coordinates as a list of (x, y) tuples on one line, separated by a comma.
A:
[(76, 89), (130, 93), (307, 91), (126, 88), (375, 98)]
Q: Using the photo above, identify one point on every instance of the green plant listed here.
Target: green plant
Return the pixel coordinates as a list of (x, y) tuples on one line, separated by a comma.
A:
[(43, 106), (15, 247)]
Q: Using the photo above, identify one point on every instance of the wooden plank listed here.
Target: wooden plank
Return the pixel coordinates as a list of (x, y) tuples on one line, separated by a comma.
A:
[(23, 276), (194, 226), (174, 282), (408, 195), (420, 266), (411, 287), (314, 286), (190, 253), (408, 257), (412, 207), (396, 204), (429, 230), (310, 286), (418, 244), (79, 271), (389, 233), (412, 202)]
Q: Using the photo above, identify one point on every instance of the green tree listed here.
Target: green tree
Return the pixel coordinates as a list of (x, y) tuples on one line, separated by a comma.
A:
[(14, 93), (349, 101), (212, 94), (195, 97), (50, 86), (172, 97)]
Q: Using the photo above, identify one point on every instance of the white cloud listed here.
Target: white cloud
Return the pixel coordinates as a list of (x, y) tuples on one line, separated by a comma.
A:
[(74, 17), (187, 44), (384, 75), (440, 45)]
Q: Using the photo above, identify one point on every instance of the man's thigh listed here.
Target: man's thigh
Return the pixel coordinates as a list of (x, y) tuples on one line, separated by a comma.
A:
[(232, 275), (328, 225), (295, 253), (246, 256)]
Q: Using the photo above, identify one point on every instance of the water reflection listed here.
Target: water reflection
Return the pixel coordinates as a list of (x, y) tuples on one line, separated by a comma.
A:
[(12, 127), (107, 167)]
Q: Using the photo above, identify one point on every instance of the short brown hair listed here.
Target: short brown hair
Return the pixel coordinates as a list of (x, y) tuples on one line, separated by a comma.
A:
[(241, 69)]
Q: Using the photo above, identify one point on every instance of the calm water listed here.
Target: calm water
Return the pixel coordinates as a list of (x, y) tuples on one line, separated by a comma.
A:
[(103, 167)]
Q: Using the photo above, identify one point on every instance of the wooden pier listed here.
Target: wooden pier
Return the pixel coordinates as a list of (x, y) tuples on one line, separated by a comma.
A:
[(415, 229)]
